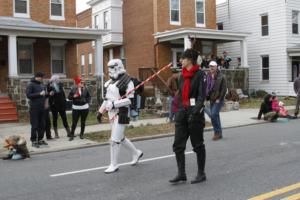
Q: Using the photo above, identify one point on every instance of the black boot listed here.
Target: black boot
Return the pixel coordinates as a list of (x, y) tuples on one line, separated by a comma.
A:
[(181, 176), (201, 177), (68, 132), (56, 132), (81, 136)]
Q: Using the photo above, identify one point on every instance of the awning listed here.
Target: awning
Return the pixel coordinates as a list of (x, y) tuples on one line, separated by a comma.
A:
[(294, 51), (223, 36), (29, 28)]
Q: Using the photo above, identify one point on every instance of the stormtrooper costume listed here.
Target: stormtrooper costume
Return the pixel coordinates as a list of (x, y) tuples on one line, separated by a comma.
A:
[(117, 108)]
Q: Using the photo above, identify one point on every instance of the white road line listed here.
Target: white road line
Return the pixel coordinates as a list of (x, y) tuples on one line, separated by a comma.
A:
[(123, 164)]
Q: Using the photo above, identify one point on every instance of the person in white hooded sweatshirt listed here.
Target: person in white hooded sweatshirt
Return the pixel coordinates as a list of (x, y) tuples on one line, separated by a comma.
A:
[(117, 103)]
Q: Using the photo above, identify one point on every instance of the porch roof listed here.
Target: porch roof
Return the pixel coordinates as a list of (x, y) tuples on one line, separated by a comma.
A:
[(224, 36), (29, 28)]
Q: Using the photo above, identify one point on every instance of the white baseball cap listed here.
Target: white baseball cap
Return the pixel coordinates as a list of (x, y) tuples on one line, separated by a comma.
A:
[(213, 63)]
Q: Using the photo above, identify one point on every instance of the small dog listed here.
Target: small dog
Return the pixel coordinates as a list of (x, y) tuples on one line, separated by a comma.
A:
[(17, 148)]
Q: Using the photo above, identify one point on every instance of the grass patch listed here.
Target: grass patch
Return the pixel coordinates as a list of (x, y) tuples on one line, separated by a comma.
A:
[(134, 132), (255, 102)]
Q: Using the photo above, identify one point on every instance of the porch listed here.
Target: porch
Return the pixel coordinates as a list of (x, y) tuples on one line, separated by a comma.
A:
[(27, 46)]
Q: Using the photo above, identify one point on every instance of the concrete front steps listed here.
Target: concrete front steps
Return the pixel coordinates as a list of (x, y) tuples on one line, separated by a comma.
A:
[(8, 110)]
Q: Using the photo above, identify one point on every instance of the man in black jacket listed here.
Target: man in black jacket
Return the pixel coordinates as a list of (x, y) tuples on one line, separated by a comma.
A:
[(189, 120), (36, 93)]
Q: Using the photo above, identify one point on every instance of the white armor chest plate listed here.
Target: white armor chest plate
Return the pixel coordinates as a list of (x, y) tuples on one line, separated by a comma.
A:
[(112, 92)]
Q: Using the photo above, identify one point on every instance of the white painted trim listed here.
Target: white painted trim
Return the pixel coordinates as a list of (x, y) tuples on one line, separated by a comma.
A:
[(22, 15), (176, 23), (204, 14), (111, 53), (260, 25), (54, 17), (12, 56), (82, 64)]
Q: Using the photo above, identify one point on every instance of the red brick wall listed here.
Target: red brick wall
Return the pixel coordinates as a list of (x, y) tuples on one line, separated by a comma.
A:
[(40, 9), (188, 17), (42, 58), (138, 35)]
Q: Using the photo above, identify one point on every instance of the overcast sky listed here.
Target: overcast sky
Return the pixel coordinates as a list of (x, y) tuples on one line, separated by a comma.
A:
[(81, 5)]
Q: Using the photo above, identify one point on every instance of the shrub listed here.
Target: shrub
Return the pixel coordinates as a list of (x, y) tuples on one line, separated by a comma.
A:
[(261, 93)]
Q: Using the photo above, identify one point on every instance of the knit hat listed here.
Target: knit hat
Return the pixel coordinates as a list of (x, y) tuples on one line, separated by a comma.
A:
[(213, 63), (39, 74), (77, 80)]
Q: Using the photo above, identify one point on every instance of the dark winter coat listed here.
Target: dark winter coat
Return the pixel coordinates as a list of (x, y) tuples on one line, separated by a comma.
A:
[(57, 102), (84, 98), (266, 106), (33, 90), (197, 91), (219, 89)]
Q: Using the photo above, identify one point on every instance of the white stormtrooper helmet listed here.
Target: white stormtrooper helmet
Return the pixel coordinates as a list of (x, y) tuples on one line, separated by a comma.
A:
[(115, 68)]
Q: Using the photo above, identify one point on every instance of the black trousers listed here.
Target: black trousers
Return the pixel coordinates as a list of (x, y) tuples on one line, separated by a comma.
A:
[(76, 114), (47, 123), (37, 121), (185, 128), (63, 116)]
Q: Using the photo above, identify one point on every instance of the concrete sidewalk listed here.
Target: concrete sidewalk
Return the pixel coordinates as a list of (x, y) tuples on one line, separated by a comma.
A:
[(230, 119)]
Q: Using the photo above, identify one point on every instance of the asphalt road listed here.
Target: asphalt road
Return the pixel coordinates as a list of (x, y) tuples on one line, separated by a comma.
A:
[(249, 161)]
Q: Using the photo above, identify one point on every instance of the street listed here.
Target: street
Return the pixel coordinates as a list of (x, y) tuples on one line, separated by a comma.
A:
[(248, 162)]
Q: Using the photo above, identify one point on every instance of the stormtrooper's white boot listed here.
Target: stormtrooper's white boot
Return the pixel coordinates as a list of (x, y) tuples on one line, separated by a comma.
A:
[(136, 154), (114, 153)]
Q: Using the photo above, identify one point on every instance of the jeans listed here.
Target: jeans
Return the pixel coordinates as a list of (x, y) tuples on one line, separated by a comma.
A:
[(171, 113), (215, 109), (297, 105)]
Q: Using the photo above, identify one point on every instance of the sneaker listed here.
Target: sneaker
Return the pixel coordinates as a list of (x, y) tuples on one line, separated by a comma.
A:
[(42, 142)]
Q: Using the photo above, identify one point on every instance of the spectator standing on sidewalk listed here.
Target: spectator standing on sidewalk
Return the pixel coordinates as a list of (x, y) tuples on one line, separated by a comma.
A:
[(36, 93), (173, 89), (80, 108), (190, 121), (216, 91), (57, 102), (297, 91)]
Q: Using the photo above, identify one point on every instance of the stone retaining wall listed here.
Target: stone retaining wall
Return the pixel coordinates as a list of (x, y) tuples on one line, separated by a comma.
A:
[(17, 91)]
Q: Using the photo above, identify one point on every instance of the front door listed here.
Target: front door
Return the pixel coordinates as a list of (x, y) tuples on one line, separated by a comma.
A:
[(3, 64), (295, 68)]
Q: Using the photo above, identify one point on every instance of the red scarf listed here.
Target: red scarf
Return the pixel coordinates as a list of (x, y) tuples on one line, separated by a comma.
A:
[(187, 75)]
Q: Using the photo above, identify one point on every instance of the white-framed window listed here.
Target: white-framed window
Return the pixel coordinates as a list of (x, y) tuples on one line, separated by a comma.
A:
[(220, 26), (58, 59), (57, 9), (21, 8), (105, 20), (25, 57), (82, 62), (264, 25), (174, 12), (200, 13), (96, 21), (295, 21), (176, 55), (90, 63), (265, 62)]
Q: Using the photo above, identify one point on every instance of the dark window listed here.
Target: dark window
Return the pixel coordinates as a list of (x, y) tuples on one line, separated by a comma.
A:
[(105, 20), (264, 25), (265, 68), (56, 8), (295, 19), (58, 55), (220, 26), (21, 6), (175, 10), (25, 60), (295, 69), (200, 11)]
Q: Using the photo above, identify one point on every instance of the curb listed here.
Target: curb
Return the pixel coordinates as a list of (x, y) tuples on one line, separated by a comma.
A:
[(145, 138)]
